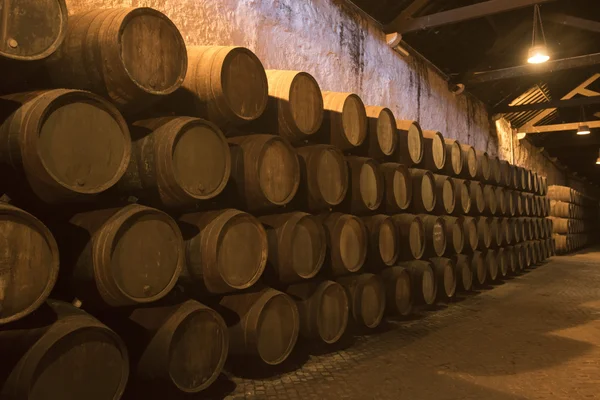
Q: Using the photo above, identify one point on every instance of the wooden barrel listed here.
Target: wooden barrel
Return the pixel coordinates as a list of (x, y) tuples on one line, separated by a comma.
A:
[(561, 209), (347, 241), (297, 246), (497, 233), (560, 243), (514, 172), (398, 187), (384, 240), (445, 194), (265, 171), (519, 206), (445, 276), (501, 208), (519, 230), (503, 263), (324, 176), (32, 30), (462, 271), (495, 171), (62, 353), (528, 180), (561, 225), (491, 201), (455, 158), (366, 185), (264, 323), (411, 146), (366, 293), (462, 197), (345, 125), (470, 162), (479, 268), (434, 151), (128, 255), (423, 191), (509, 200), (225, 84), (176, 162), (423, 281), (323, 309), (130, 55), (455, 234), (471, 233), (506, 173), (435, 235), (507, 227), (535, 183), (551, 246), (226, 250), (484, 171), (528, 254), (30, 263), (484, 230), (398, 291), (192, 337), (382, 142), (67, 144), (491, 261), (478, 201), (295, 106), (519, 257), (412, 236)]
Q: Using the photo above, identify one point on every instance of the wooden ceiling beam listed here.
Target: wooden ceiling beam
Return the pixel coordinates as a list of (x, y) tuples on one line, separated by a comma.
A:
[(574, 22), (572, 126), (532, 69), (576, 102), (404, 24)]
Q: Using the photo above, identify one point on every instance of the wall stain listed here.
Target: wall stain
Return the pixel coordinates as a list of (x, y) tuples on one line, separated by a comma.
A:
[(352, 40)]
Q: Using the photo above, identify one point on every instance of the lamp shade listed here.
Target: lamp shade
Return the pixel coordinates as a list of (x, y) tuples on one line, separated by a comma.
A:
[(538, 54), (583, 130)]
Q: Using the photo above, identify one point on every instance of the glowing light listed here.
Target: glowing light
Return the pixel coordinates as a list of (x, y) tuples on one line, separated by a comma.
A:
[(538, 55)]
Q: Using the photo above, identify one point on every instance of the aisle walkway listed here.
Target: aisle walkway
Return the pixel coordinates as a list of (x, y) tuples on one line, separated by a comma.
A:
[(536, 336)]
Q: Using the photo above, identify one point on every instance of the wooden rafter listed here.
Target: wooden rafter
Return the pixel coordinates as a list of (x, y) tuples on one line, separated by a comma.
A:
[(405, 23), (574, 22), (577, 102), (571, 126)]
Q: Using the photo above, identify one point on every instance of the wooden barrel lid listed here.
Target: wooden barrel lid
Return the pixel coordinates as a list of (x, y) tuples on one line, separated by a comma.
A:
[(146, 255), (388, 241), (448, 196), (28, 263), (428, 285), (428, 191), (415, 143), (458, 236), (438, 150), (492, 264), (464, 193), (241, 250), (477, 195), (449, 278), (471, 232), (464, 274), (306, 103), (471, 156), (308, 247), (332, 315), (510, 259), (198, 347), (478, 267), (371, 185), (32, 29), (352, 243), (490, 198), (369, 301), (402, 293), (416, 239), (387, 136), (439, 237), (83, 142), (354, 120), (278, 171), (332, 176), (456, 157), (502, 262), (401, 186), (152, 51), (201, 159), (77, 358), (277, 328)]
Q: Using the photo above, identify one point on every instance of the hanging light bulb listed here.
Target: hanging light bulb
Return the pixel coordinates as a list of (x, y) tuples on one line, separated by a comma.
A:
[(598, 160), (583, 130), (538, 52)]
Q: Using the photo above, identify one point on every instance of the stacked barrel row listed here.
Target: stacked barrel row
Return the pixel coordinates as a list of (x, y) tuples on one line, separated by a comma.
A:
[(575, 218), (231, 212)]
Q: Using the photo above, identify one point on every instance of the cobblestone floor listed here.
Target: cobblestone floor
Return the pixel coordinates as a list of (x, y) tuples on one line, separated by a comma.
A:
[(536, 336)]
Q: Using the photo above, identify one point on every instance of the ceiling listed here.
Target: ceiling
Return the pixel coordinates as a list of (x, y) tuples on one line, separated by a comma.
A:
[(479, 51)]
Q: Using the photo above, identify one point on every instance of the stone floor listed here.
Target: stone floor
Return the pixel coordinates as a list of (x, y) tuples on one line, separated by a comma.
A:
[(536, 336)]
